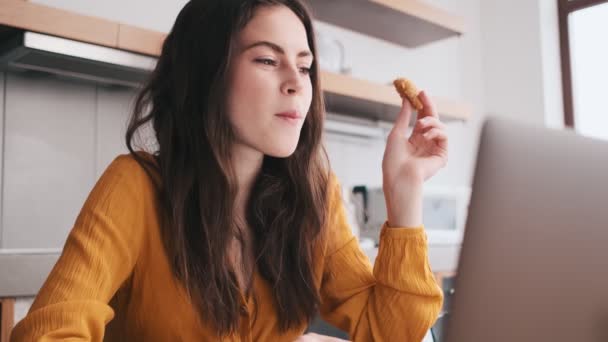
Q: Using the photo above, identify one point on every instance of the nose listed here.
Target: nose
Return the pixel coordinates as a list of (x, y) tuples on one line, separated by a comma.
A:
[(293, 82)]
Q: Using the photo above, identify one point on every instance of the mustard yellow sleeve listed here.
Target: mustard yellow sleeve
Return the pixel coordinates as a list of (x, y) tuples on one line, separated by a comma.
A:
[(397, 300), (99, 254)]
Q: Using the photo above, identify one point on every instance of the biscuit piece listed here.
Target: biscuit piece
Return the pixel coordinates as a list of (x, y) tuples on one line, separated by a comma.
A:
[(407, 89)]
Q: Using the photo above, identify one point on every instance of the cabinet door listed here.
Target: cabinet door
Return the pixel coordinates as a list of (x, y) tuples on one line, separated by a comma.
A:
[(1, 149), (49, 158)]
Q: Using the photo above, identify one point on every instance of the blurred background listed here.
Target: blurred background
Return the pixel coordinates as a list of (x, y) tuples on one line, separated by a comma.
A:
[(69, 70)]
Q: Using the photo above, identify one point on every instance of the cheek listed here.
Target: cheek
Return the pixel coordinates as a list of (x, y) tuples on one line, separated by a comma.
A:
[(248, 108), (253, 94), (308, 96), (245, 92), (247, 84)]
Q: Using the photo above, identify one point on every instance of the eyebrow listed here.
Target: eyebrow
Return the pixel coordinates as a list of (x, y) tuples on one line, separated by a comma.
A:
[(276, 48)]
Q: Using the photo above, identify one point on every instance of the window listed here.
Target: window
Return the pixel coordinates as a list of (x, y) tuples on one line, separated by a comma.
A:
[(584, 55)]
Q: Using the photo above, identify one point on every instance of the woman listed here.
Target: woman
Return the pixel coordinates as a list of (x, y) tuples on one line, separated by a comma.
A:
[(233, 228)]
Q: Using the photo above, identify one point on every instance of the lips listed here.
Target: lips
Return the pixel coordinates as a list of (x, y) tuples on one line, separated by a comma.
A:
[(290, 115)]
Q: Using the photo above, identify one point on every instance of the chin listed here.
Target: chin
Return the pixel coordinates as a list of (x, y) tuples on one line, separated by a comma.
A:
[(283, 150), (281, 153)]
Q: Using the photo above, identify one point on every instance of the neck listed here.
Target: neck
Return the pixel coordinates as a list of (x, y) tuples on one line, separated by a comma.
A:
[(247, 163)]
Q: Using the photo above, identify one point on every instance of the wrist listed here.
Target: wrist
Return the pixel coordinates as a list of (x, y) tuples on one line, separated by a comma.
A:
[(404, 204)]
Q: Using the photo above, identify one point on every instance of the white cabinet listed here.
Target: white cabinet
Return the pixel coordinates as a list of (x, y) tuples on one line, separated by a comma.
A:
[(49, 149)]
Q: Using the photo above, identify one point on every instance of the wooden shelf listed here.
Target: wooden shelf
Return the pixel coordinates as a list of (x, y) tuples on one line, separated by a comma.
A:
[(409, 23), (140, 40), (343, 93), (39, 18), (24, 15)]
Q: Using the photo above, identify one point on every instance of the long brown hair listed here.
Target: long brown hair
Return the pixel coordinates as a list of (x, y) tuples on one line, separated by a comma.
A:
[(184, 102)]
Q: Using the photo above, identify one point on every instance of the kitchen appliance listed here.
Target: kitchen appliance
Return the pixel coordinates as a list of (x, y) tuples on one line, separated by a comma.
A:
[(444, 212)]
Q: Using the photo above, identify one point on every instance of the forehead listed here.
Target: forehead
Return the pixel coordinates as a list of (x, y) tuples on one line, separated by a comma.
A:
[(275, 23)]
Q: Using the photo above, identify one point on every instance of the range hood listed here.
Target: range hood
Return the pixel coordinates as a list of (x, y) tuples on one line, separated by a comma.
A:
[(26, 50)]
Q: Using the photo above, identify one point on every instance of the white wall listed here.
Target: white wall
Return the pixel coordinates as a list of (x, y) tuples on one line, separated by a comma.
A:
[(520, 48), (551, 63), (151, 14)]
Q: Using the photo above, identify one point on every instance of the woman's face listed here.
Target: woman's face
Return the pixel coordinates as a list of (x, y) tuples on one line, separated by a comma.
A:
[(270, 89)]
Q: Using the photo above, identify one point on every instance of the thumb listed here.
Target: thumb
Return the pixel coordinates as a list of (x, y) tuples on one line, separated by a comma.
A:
[(402, 121)]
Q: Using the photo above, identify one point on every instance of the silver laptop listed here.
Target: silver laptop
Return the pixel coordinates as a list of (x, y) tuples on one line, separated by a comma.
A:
[(534, 260)]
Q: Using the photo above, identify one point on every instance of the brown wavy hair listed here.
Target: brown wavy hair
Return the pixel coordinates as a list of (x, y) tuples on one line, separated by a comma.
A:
[(184, 102)]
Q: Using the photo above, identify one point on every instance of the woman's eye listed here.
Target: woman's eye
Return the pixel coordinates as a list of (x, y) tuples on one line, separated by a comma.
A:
[(270, 62), (266, 61), (305, 71)]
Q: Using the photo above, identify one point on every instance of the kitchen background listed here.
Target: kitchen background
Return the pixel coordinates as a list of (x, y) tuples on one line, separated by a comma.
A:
[(58, 135)]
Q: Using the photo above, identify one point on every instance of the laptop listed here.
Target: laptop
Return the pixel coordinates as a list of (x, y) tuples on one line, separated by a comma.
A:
[(534, 259)]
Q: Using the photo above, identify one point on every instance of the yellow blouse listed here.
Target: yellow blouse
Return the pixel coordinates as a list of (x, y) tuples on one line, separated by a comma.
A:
[(113, 281)]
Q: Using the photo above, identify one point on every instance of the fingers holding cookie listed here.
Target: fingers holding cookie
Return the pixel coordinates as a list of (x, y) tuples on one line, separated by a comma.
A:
[(428, 108), (428, 122)]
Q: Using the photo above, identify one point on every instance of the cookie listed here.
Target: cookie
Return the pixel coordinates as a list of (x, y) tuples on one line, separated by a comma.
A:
[(407, 89)]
